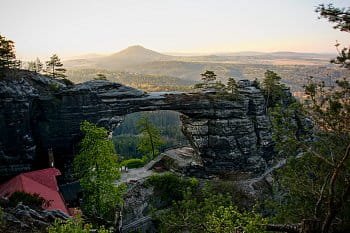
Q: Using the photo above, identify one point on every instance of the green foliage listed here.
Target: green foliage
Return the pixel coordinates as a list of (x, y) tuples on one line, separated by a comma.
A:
[(151, 140), (208, 78), (341, 17), (288, 128), (133, 163), (54, 67), (315, 184), (126, 136), (272, 88), (7, 54), (55, 87), (211, 213), (29, 199), (232, 86), (239, 197), (75, 225), (171, 187), (97, 168)]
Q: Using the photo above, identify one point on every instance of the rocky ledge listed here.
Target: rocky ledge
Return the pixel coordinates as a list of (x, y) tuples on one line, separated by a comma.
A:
[(38, 113)]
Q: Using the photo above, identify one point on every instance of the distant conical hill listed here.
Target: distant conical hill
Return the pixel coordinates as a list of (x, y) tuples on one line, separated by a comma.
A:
[(131, 56)]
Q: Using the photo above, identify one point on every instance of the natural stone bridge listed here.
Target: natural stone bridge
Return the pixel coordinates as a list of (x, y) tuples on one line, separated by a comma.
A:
[(38, 113)]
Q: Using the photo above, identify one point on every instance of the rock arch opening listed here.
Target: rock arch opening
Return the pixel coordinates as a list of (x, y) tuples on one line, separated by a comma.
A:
[(126, 136)]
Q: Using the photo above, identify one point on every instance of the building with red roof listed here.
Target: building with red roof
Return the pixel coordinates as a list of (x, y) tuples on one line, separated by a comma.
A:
[(42, 182)]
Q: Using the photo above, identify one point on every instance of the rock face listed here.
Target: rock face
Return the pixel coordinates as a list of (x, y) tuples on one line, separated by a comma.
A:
[(38, 113), (25, 219)]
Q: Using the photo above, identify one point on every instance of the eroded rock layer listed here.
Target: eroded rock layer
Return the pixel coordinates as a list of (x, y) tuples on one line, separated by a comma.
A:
[(38, 113)]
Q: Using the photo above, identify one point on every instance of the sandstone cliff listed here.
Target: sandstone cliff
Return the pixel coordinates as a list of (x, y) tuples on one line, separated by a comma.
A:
[(38, 113)]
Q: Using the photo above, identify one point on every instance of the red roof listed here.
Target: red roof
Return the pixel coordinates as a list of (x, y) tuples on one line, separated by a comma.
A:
[(42, 182)]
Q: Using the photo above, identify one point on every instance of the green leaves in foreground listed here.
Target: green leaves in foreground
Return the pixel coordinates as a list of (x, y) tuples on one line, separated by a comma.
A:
[(73, 226), (97, 168), (210, 214)]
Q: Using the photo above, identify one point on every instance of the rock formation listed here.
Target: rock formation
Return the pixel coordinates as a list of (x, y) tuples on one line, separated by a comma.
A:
[(38, 113), (25, 219)]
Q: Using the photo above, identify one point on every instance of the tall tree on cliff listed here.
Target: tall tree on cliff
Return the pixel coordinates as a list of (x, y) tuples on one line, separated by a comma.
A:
[(97, 168), (7, 54), (272, 88), (54, 67), (208, 78)]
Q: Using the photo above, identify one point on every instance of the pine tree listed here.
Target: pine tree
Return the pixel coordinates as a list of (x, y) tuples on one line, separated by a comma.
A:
[(54, 67), (208, 78), (7, 54), (272, 88), (232, 86)]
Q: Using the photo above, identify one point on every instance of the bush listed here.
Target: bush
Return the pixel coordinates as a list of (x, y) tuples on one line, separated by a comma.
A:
[(133, 163), (171, 187), (73, 226), (207, 214), (32, 200), (54, 87)]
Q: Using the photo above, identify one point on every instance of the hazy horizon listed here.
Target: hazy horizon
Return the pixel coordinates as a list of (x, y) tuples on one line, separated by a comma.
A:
[(75, 28)]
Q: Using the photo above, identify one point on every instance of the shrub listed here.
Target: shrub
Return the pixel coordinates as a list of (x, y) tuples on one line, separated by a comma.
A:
[(207, 214), (133, 163), (32, 200), (54, 87), (73, 226), (171, 187)]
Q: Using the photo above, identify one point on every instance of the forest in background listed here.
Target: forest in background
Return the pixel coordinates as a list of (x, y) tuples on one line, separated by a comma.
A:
[(126, 136)]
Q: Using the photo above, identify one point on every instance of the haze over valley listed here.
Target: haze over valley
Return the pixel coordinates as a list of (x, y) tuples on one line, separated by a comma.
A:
[(150, 70), (174, 116)]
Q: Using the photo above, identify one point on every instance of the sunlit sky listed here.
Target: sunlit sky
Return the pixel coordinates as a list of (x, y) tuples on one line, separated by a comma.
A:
[(74, 27)]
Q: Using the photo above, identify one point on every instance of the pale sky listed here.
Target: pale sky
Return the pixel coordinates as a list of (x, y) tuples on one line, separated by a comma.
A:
[(74, 27)]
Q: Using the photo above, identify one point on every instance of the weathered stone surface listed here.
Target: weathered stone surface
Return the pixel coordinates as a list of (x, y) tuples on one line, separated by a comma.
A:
[(25, 219), (38, 113)]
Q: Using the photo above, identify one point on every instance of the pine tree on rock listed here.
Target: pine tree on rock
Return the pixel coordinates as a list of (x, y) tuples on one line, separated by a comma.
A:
[(54, 67), (232, 86), (7, 54), (208, 78)]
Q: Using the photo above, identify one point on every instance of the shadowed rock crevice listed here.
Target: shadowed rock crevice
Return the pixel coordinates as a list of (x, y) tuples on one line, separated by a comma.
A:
[(228, 135)]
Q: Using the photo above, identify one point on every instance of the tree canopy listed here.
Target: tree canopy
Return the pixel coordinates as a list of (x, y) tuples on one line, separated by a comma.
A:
[(7, 54), (54, 67), (97, 168), (315, 182), (151, 140)]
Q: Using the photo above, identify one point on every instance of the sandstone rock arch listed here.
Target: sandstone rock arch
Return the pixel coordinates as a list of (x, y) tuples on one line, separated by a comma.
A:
[(228, 135)]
